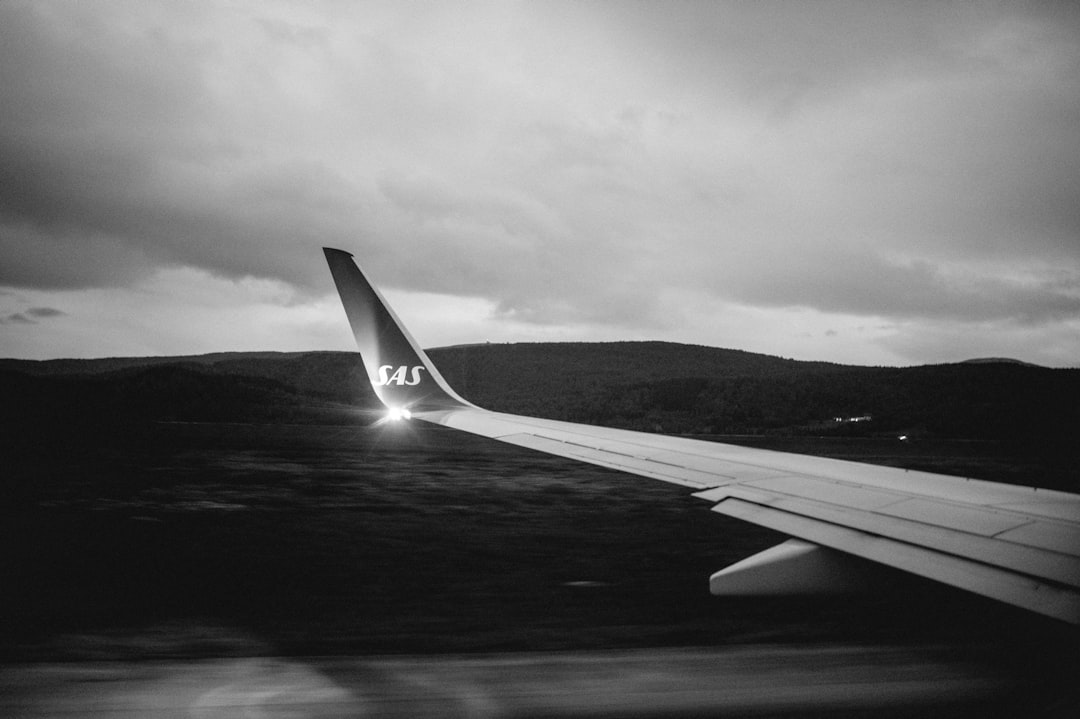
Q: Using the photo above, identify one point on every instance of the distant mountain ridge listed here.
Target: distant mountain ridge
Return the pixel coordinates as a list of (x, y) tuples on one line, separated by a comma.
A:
[(111, 364), (999, 360), (652, 386)]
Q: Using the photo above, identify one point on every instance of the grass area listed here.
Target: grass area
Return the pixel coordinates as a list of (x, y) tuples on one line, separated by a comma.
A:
[(200, 539)]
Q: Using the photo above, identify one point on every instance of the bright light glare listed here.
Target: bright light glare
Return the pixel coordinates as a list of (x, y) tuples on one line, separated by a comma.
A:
[(398, 413)]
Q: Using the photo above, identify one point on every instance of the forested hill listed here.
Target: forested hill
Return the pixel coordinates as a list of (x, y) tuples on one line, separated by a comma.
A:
[(652, 386), (659, 386)]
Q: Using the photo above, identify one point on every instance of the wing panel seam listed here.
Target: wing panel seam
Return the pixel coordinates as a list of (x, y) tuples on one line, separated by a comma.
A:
[(1025, 559)]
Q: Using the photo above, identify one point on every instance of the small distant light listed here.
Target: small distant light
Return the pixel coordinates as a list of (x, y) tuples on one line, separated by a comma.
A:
[(396, 414), (902, 438)]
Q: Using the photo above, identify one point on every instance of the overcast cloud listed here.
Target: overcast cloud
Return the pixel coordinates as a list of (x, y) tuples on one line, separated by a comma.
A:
[(861, 182)]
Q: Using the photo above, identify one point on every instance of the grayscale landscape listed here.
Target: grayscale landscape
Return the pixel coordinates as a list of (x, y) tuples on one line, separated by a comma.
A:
[(577, 203), (147, 520)]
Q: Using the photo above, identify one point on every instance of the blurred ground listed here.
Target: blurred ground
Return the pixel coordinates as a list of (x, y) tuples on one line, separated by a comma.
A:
[(831, 681), (199, 569)]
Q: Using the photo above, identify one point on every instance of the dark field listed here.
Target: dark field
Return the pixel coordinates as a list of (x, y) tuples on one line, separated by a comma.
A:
[(187, 540)]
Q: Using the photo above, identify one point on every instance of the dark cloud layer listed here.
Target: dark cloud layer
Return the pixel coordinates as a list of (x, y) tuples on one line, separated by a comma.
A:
[(16, 318), (31, 316), (115, 162), (44, 312), (569, 163)]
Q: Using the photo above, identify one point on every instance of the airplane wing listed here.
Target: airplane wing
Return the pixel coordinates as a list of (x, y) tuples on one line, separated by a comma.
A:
[(1019, 545)]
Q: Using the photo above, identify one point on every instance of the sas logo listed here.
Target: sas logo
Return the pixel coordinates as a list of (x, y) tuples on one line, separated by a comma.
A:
[(401, 376)]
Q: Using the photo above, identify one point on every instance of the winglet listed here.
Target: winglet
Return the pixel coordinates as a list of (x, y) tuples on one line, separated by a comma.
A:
[(400, 372)]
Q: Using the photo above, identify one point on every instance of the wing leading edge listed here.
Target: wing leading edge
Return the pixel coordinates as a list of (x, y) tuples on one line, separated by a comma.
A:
[(1015, 544)]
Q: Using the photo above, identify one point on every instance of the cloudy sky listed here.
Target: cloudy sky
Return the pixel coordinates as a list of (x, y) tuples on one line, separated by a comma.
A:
[(870, 183)]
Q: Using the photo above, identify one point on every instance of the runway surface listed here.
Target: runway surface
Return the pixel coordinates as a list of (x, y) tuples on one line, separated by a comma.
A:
[(757, 680)]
